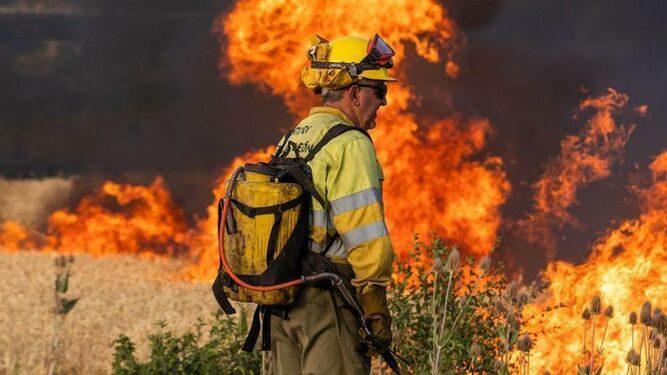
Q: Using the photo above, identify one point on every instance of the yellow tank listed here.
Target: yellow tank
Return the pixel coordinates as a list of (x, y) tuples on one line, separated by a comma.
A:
[(246, 246)]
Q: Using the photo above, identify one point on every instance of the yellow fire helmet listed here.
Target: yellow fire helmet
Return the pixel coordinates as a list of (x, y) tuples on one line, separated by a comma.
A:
[(343, 61)]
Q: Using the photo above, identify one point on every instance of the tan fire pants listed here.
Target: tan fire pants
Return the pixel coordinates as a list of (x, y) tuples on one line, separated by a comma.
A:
[(320, 336)]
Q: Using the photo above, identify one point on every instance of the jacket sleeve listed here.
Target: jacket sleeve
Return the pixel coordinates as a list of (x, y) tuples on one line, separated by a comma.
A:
[(355, 197)]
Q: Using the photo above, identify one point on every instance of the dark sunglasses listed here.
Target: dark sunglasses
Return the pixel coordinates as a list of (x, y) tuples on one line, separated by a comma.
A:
[(380, 89)]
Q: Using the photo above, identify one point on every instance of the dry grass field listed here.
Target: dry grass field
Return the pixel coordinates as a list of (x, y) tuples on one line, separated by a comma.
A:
[(117, 295)]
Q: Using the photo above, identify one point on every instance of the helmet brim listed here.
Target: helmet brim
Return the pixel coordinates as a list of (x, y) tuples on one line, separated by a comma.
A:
[(377, 75)]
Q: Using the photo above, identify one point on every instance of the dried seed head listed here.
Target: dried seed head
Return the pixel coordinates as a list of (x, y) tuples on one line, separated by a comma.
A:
[(609, 312), (523, 298), (475, 350), (485, 265), (645, 313), (658, 318), (60, 261), (632, 318), (510, 291), (628, 355), (633, 358), (524, 343), (656, 343), (453, 260), (499, 306), (437, 264), (70, 258), (596, 305), (586, 369), (509, 316), (586, 315)]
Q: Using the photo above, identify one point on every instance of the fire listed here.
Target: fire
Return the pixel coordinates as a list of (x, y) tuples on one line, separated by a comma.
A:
[(584, 159), (266, 40), (266, 44), (432, 183), (120, 219), (625, 268), (14, 237)]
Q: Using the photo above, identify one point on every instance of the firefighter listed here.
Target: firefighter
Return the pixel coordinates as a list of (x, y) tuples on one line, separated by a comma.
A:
[(321, 334)]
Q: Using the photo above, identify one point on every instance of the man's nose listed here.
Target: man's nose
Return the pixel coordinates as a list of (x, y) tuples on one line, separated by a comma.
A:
[(383, 102)]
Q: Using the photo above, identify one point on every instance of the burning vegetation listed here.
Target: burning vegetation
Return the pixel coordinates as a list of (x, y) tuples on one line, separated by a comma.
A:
[(437, 183)]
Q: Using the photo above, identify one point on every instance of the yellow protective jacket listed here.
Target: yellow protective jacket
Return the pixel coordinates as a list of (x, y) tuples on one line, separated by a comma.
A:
[(348, 176)]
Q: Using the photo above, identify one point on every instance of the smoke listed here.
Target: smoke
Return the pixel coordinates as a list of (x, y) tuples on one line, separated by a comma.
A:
[(132, 89), (30, 201), (53, 7), (473, 15)]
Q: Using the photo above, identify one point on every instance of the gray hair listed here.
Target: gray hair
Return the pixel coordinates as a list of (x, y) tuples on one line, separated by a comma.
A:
[(334, 95)]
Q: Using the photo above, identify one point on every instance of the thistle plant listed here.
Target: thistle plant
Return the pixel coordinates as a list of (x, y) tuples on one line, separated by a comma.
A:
[(634, 362), (592, 353), (645, 320), (442, 311), (525, 344), (651, 356), (586, 316), (62, 307), (632, 320), (608, 313)]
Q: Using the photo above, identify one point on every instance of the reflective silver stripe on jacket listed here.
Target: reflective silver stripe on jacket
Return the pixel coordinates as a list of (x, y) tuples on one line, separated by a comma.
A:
[(364, 234), (354, 201), (337, 249), (315, 247), (319, 218)]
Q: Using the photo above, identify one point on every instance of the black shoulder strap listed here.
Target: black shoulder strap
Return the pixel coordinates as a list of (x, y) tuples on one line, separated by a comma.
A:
[(334, 132), (280, 147), (296, 171)]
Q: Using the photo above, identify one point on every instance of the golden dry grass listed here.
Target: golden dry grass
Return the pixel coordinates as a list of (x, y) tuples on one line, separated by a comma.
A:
[(118, 295)]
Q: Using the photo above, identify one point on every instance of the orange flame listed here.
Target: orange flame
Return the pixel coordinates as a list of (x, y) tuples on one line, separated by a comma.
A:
[(625, 268), (267, 40), (265, 45), (424, 170), (432, 185), (14, 237), (120, 219), (584, 159)]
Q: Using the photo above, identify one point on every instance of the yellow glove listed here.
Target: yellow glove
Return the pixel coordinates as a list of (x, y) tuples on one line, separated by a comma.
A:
[(374, 304)]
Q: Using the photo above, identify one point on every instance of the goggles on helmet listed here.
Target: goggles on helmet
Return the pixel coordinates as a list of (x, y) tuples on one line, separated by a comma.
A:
[(379, 53), (379, 56)]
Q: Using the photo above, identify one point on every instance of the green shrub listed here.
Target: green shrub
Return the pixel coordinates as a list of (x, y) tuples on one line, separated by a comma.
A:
[(444, 315), (217, 352)]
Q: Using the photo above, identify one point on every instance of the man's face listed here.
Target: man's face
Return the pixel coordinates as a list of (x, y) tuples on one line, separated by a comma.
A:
[(371, 98)]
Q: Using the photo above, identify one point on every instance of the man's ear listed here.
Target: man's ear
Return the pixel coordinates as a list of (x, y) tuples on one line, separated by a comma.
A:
[(353, 93)]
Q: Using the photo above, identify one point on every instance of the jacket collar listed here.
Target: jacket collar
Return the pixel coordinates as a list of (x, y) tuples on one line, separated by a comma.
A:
[(332, 111)]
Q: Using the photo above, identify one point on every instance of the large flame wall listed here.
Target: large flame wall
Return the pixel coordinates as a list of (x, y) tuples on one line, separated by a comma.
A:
[(432, 183), (437, 180)]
